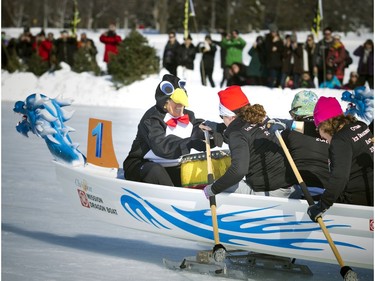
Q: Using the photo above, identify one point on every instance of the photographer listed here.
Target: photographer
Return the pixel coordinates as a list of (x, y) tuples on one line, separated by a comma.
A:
[(65, 48), (111, 40), (233, 44), (256, 70), (208, 50), (292, 62)]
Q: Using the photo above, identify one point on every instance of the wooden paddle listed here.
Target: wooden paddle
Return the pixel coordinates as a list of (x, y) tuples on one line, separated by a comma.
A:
[(346, 272), (219, 250)]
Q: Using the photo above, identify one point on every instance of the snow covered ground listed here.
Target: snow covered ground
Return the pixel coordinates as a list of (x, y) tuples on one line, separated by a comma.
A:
[(43, 238)]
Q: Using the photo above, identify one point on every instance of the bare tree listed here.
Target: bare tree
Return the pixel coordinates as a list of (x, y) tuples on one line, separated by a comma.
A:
[(62, 12), (89, 11), (15, 11), (228, 15), (161, 15), (100, 10), (213, 16), (45, 14)]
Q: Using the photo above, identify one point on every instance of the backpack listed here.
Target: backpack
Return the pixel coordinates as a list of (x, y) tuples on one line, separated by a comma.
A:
[(348, 59)]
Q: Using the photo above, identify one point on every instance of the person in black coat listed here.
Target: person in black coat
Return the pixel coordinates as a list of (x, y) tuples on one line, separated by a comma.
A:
[(365, 70), (292, 66), (65, 48), (256, 154), (353, 81), (223, 54), (208, 50), (306, 81), (237, 75), (4, 51), (25, 46), (186, 57), (274, 55), (256, 70), (310, 48), (170, 55), (351, 155), (321, 53), (309, 151)]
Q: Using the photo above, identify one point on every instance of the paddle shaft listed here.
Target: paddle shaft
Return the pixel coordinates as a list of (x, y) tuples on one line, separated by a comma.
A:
[(210, 178), (309, 199)]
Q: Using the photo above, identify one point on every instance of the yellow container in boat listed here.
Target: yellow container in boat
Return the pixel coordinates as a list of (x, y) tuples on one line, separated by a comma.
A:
[(194, 167)]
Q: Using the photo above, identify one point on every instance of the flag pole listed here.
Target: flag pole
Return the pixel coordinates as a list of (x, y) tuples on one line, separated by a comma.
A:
[(320, 6), (186, 21)]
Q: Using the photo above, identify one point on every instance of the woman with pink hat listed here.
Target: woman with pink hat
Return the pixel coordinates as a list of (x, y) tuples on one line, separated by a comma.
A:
[(255, 152), (351, 155)]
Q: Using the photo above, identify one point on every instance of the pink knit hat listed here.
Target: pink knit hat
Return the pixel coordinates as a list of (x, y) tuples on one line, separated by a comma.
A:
[(326, 108)]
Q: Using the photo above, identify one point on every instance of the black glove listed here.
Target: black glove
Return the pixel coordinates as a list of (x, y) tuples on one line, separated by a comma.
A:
[(197, 145), (216, 140), (274, 125), (216, 127), (212, 125), (317, 210)]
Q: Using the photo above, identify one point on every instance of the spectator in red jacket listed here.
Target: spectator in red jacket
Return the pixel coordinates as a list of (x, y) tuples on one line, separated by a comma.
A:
[(111, 41), (336, 58), (43, 46)]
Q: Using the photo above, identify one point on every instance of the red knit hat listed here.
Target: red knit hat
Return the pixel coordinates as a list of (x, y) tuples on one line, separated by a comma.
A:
[(233, 98), (326, 108)]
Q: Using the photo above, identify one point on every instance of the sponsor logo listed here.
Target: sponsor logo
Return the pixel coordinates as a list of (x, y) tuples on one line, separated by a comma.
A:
[(89, 200), (84, 200)]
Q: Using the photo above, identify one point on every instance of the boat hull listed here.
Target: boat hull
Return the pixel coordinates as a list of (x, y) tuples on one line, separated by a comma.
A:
[(269, 225)]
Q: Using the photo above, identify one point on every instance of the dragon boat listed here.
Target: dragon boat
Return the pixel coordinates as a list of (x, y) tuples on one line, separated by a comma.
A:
[(95, 185)]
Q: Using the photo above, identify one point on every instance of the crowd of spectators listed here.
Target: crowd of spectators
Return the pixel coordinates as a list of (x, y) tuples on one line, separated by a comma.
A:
[(68, 48), (275, 60)]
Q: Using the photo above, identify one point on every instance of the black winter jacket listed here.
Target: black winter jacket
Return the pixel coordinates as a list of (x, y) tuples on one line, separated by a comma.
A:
[(351, 155), (256, 154), (151, 135), (186, 56), (310, 154)]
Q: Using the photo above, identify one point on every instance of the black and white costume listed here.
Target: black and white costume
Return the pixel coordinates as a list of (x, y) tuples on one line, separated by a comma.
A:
[(161, 138)]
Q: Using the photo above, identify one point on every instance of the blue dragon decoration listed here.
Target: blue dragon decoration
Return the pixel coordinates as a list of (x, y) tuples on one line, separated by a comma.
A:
[(361, 103), (45, 118)]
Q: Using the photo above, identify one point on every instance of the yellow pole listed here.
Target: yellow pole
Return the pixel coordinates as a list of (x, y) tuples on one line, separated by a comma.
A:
[(186, 21)]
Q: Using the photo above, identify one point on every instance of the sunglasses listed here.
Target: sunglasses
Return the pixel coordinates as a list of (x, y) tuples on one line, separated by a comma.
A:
[(298, 117), (293, 110)]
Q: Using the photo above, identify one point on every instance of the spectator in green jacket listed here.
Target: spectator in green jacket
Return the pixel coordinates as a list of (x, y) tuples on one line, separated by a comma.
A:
[(233, 46)]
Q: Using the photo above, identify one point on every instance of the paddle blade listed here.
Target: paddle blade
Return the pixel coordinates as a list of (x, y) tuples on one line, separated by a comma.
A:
[(219, 253), (348, 274)]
